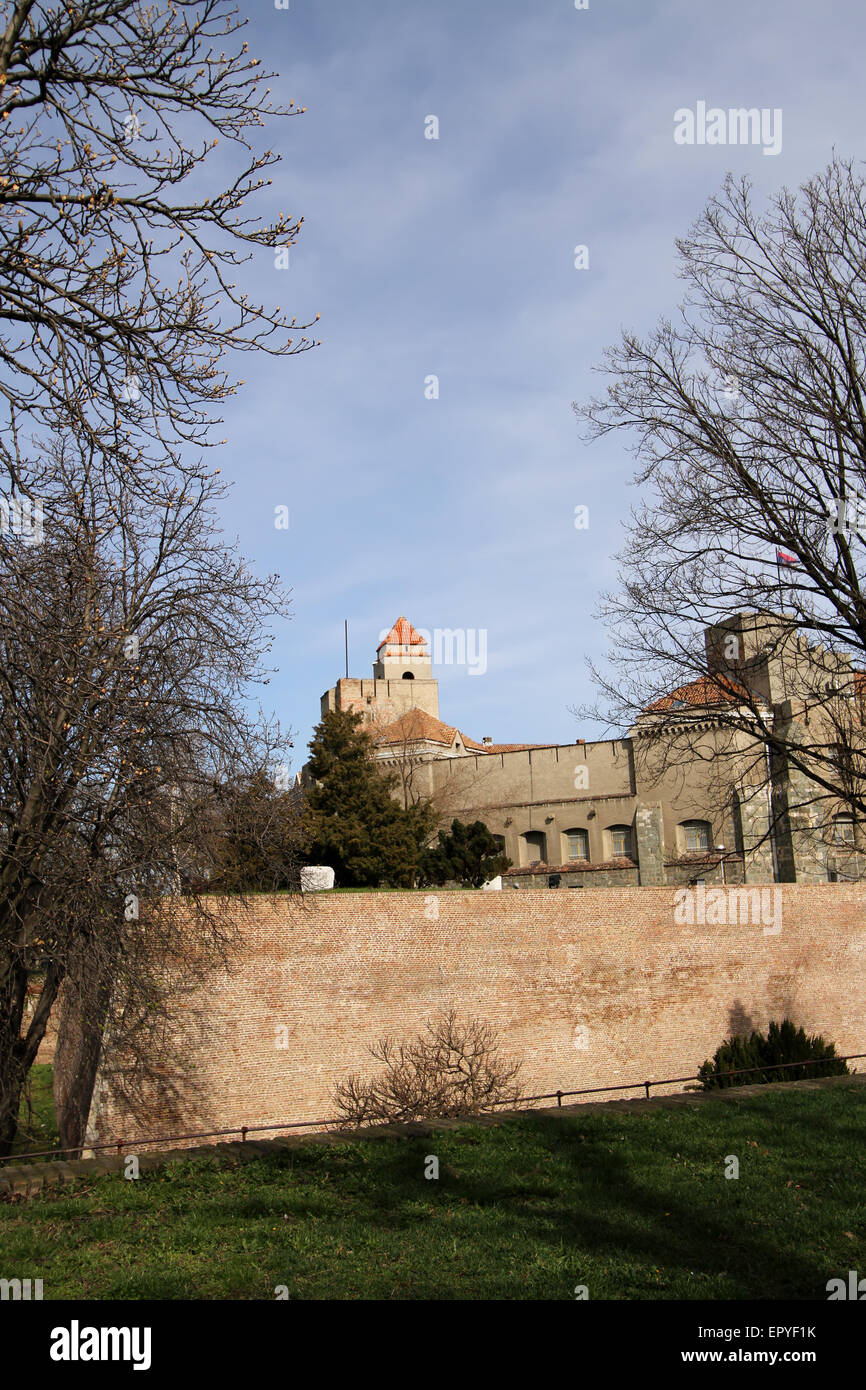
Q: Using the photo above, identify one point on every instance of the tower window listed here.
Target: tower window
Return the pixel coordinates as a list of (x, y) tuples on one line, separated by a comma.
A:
[(408, 675)]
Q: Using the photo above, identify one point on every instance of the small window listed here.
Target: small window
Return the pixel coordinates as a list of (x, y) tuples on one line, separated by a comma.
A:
[(620, 841), (408, 675), (843, 830), (578, 844), (534, 849), (696, 836)]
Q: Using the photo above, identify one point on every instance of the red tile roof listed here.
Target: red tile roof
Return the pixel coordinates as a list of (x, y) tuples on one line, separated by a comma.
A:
[(573, 866), (402, 634), (699, 694), (419, 726), (416, 726)]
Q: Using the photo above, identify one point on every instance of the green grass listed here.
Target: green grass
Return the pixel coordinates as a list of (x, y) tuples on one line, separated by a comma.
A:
[(422, 892), (37, 1123), (634, 1206)]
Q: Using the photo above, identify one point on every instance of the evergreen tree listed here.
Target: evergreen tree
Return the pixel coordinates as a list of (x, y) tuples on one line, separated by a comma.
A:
[(468, 854), (351, 820), (782, 1043)]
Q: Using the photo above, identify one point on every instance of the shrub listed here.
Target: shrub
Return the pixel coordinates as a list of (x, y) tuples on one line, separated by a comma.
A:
[(468, 854), (782, 1043), (453, 1068)]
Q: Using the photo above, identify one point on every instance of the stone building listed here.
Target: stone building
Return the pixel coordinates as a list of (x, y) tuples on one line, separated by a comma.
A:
[(693, 803)]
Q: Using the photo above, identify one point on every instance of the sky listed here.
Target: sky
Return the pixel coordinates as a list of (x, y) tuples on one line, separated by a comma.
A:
[(454, 258)]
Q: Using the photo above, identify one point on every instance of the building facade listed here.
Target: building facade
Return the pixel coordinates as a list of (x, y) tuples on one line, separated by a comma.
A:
[(681, 799)]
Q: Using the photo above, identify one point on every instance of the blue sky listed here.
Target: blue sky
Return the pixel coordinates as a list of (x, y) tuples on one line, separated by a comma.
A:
[(455, 257)]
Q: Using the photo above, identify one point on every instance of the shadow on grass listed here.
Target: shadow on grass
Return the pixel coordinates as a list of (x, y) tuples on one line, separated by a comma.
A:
[(632, 1205)]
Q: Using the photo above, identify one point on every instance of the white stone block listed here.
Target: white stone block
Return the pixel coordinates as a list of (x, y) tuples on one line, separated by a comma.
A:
[(316, 878)]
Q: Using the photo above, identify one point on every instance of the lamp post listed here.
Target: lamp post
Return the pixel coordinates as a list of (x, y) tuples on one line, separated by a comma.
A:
[(720, 849)]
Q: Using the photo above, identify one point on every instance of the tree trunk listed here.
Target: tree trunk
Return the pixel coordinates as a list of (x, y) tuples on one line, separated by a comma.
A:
[(18, 1050), (83, 1013)]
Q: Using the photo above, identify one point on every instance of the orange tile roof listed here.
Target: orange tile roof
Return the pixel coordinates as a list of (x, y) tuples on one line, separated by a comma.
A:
[(699, 694), (582, 866), (419, 726), (501, 747), (402, 634)]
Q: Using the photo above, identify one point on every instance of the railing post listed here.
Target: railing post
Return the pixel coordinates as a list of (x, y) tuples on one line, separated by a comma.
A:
[(244, 1134), (559, 1099), (647, 1084)]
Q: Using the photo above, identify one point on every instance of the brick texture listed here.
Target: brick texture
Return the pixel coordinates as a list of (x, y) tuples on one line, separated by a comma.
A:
[(593, 988)]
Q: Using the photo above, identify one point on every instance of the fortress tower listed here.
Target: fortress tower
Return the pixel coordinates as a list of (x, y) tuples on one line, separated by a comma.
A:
[(402, 680)]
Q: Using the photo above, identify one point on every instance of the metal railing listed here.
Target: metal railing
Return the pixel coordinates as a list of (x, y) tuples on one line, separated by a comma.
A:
[(118, 1145)]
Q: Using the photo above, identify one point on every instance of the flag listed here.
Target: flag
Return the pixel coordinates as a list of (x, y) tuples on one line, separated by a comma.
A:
[(783, 558)]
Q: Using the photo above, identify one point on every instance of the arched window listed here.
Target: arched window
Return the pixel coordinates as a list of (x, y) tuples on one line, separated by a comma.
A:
[(408, 675), (695, 836), (578, 844), (534, 847), (619, 840)]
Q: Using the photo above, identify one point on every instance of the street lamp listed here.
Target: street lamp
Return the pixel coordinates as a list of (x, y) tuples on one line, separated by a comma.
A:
[(720, 849)]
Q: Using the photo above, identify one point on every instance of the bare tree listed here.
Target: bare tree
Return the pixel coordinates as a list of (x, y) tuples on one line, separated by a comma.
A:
[(453, 1068), (130, 636), (121, 228), (748, 418), (403, 749), (257, 836)]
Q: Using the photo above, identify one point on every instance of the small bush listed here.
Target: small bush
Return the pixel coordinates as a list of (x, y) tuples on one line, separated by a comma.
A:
[(452, 1069), (782, 1043)]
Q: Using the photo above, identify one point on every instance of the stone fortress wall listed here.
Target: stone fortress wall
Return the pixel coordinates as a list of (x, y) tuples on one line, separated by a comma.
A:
[(597, 988)]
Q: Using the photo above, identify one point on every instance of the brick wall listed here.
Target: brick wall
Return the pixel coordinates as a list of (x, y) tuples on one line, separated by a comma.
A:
[(589, 988)]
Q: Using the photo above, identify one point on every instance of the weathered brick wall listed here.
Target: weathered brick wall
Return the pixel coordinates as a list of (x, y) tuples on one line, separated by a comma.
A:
[(589, 988), (49, 1042)]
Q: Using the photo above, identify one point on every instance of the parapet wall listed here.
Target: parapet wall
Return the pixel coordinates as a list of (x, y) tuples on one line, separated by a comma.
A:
[(597, 988)]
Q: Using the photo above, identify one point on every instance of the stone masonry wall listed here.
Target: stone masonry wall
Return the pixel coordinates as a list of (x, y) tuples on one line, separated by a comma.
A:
[(591, 988)]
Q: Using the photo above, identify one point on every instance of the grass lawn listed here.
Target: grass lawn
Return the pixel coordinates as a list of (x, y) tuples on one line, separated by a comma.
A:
[(633, 1206), (38, 1128)]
